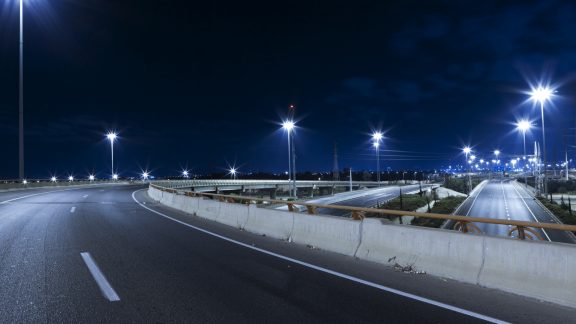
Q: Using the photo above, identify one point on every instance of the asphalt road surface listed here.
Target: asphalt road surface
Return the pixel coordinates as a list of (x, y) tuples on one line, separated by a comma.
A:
[(371, 198), (96, 255), (506, 199)]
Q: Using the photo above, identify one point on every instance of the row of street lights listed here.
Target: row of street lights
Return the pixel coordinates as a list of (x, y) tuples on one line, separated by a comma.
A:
[(540, 96)]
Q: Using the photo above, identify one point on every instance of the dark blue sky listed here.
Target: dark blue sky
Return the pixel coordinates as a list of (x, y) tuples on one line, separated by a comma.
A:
[(195, 84)]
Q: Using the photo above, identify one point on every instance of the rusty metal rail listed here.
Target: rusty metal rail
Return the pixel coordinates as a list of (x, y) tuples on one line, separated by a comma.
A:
[(463, 223)]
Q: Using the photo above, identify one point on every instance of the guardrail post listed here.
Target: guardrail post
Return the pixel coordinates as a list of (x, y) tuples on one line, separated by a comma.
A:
[(311, 210), (521, 234), (357, 215)]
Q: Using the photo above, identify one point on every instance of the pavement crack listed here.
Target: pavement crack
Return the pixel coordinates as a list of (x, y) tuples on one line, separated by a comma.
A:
[(483, 259)]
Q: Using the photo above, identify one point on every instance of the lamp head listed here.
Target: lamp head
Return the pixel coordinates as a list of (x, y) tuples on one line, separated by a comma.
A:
[(288, 125), (111, 136), (523, 125), (541, 94)]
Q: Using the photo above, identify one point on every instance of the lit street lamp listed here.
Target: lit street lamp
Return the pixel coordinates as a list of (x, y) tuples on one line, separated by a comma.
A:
[(185, 174), (91, 177), (467, 151), (288, 126), (541, 95), (112, 137), (115, 176), (53, 179), (377, 137), (232, 172), (523, 126)]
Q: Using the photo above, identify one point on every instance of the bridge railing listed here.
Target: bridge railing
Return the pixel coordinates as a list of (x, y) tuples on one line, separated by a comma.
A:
[(465, 224), (307, 183)]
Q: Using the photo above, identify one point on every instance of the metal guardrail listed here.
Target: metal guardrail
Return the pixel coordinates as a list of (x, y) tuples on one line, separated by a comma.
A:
[(463, 224)]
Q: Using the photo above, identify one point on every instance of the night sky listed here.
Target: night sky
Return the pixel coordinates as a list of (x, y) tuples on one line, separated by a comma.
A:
[(206, 84)]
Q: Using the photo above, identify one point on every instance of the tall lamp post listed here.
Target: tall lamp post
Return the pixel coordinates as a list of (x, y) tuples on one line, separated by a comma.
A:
[(112, 137), (21, 96), (496, 162), (467, 151), (541, 95), (523, 126), (377, 137), (289, 127)]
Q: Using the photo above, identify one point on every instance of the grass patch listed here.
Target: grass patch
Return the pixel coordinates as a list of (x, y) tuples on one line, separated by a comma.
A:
[(443, 206), (407, 203)]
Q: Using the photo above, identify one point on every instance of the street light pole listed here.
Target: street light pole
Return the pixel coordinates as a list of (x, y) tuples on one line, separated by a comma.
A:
[(293, 167), (21, 96), (544, 146), (467, 151), (112, 151), (112, 136), (542, 94), (289, 127), (289, 160), (377, 136)]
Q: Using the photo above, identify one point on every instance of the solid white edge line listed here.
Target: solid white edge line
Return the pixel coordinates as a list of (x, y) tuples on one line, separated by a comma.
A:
[(332, 272), (530, 210), (99, 277), (477, 194), (73, 209)]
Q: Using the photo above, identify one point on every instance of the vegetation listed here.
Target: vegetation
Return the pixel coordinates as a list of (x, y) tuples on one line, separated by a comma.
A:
[(530, 180), (460, 184), (560, 186), (405, 202), (444, 206), (562, 210)]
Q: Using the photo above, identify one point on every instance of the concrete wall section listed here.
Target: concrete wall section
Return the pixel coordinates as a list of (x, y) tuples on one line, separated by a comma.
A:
[(444, 253), (208, 208), (330, 233), (231, 214), (276, 224), (541, 270)]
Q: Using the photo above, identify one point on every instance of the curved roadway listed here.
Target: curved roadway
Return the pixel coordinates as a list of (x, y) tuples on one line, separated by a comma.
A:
[(109, 254)]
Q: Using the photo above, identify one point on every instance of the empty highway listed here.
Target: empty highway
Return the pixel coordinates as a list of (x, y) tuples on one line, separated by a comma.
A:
[(506, 199), (369, 198), (106, 254)]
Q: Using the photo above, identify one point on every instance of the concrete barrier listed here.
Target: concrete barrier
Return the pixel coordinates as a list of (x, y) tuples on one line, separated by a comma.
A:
[(208, 208), (273, 223), (541, 270), (337, 234), (230, 214), (536, 269), (444, 253)]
